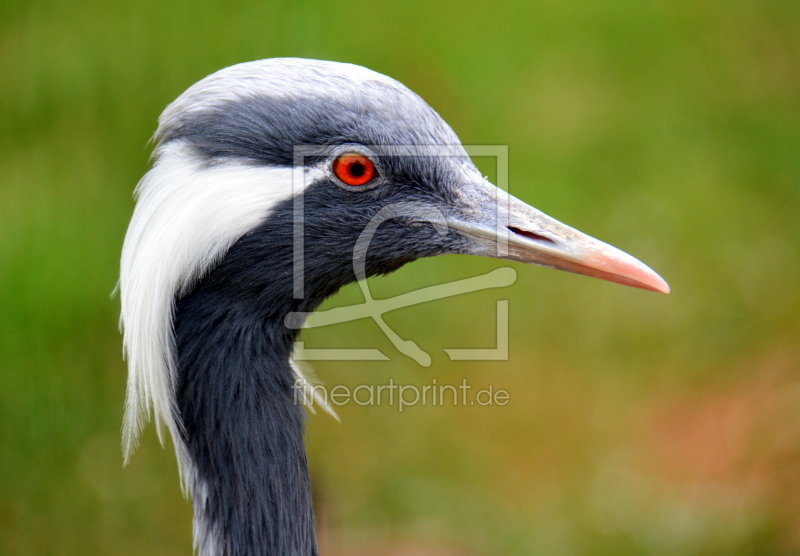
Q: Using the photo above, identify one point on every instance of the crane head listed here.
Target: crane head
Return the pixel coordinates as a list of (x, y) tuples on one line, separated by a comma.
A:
[(351, 162)]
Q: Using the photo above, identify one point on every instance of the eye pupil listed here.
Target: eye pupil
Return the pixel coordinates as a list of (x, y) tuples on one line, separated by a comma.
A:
[(354, 169), (357, 169)]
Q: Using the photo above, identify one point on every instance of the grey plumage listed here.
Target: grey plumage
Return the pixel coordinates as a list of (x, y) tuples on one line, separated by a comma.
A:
[(208, 267)]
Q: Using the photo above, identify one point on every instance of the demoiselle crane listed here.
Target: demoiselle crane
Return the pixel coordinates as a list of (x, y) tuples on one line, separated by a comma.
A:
[(265, 176)]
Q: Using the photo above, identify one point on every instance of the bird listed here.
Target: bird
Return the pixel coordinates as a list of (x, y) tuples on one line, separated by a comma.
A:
[(209, 267)]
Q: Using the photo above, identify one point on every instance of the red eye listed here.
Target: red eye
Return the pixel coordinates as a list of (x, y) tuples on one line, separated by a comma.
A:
[(354, 169)]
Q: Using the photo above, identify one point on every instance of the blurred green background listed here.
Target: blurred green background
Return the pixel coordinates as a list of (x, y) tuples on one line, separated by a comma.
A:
[(638, 423)]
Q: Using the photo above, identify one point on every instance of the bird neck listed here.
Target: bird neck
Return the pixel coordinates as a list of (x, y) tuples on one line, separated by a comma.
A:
[(243, 425), (240, 412)]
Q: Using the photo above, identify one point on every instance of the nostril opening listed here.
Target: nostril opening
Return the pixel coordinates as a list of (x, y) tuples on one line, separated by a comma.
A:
[(529, 235)]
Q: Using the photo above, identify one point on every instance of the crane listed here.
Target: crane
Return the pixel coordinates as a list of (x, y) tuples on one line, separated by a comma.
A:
[(265, 176)]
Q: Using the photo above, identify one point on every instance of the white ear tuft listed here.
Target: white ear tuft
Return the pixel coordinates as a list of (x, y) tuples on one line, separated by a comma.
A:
[(186, 218)]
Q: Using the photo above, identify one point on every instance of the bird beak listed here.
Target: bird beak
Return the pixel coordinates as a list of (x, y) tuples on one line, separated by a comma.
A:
[(499, 225)]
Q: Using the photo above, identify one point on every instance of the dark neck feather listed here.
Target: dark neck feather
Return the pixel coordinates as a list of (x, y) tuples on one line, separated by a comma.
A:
[(242, 419), (243, 427)]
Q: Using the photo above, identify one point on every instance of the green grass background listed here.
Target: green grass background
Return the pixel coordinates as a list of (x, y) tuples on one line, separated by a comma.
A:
[(638, 423)]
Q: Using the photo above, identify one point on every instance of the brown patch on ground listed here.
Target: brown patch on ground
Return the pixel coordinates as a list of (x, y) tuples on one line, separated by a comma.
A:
[(391, 548), (736, 443)]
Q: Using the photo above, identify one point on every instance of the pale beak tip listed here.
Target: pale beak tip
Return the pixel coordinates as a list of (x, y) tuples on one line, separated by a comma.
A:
[(617, 263), (650, 279), (658, 284)]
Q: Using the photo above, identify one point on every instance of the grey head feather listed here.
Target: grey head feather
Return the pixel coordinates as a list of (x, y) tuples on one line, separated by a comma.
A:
[(259, 111)]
